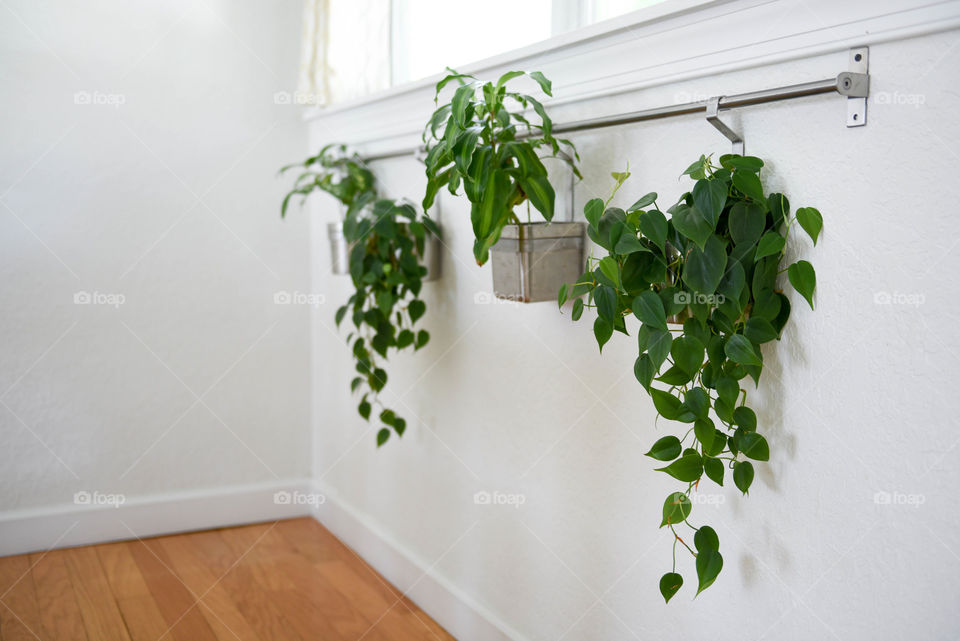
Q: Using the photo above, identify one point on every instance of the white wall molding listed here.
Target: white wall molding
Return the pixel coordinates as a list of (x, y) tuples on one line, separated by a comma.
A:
[(38, 530), (701, 40), (459, 613)]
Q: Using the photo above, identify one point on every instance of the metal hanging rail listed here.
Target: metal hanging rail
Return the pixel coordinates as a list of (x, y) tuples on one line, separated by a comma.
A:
[(855, 85)]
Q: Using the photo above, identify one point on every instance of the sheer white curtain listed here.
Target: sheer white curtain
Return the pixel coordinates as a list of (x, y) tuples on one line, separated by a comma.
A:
[(345, 50)]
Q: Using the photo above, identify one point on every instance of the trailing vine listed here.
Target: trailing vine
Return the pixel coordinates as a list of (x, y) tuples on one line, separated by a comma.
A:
[(387, 239), (711, 269), (483, 140)]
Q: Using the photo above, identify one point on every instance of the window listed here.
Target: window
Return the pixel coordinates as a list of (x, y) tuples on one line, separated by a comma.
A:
[(356, 47)]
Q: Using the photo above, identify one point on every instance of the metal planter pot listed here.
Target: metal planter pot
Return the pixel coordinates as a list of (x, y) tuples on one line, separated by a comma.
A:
[(340, 253), (532, 261)]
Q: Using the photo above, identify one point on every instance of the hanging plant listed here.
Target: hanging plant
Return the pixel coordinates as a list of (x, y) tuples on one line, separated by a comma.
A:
[(483, 140), (711, 269), (386, 241)]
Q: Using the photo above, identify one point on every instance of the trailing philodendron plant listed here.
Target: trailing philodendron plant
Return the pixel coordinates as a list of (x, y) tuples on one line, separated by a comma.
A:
[(387, 239), (711, 268), (340, 174), (483, 140)]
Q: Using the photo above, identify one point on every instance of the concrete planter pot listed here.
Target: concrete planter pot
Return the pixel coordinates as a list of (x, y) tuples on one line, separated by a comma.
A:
[(531, 261), (340, 253)]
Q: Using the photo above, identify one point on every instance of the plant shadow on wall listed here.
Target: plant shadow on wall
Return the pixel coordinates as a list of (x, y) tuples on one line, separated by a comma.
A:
[(387, 240), (488, 140), (711, 270)]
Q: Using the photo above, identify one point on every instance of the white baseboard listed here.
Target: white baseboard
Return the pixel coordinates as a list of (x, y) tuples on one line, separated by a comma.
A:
[(24, 531), (450, 606)]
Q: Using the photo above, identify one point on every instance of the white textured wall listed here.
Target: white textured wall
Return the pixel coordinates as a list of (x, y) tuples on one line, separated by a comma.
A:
[(168, 198), (856, 398)]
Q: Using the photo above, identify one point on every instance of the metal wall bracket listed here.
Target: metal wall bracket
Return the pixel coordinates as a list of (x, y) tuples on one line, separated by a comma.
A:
[(713, 111), (855, 85)]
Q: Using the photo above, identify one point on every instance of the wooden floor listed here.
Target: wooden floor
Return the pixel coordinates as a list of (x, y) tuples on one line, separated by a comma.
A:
[(290, 581)]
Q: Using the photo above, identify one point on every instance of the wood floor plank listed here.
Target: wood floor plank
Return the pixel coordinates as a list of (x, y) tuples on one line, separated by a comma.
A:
[(19, 616), (285, 581), (259, 608), (60, 616), (101, 616), (176, 603), (218, 608)]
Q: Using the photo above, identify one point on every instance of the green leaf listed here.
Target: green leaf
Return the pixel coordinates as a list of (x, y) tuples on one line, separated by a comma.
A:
[(811, 221), (676, 509), (404, 338), (704, 268), (668, 405), (706, 539), (709, 564), (745, 418), (423, 336), (697, 170), (705, 431), (728, 389), (697, 402), (649, 309), (592, 211), (690, 222), (388, 417), (739, 349), (648, 199), (749, 184), (382, 436), (364, 409), (543, 81), (562, 295), (644, 370), (669, 584), (510, 75), (653, 225), (461, 100), (746, 222), (759, 330), (771, 243), (710, 196), (804, 279), (577, 309), (416, 309), (743, 475), (665, 449), (658, 345), (735, 161), (687, 353), (611, 269), (713, 467), (628, 244), (754, 446), (688, 468), (602, 330), (606, 300), (341, 312), (399, 426)]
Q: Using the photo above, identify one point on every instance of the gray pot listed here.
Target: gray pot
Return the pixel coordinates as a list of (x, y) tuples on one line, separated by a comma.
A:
[(340, 253), (532, 261)]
